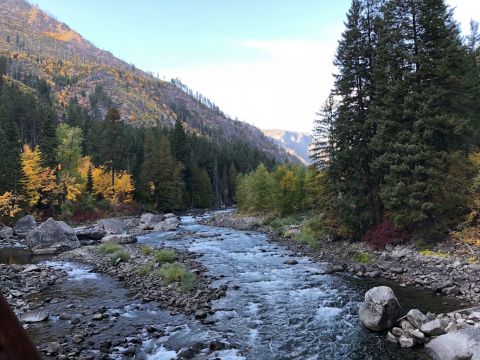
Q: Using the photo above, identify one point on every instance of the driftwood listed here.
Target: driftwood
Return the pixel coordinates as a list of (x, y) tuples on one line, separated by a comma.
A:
[(14, 340)]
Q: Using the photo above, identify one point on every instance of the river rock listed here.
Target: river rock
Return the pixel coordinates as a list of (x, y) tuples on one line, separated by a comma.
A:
[(169, 215), (380, 310), (391, 337), (5, 232), (114, 226), (406, 341), (34, 316), (416, 318), (120, 239), (417, 335), (169, 224), (24, 225), (458, 345), (52, 237), (149, 220), (90, 232), (291, 262), (433, 328)]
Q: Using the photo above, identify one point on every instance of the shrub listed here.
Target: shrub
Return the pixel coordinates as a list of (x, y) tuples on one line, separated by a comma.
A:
[(307, 236), (383, 234), (119, 254), (165, 256), (427, 252), (362, 258), (109, 248), (146, 250)]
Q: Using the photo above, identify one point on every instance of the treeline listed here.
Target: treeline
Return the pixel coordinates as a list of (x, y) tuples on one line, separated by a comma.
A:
[(395, 137), (79, 163), (283, 191)]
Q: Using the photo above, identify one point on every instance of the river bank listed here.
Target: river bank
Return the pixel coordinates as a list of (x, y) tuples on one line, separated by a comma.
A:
[(446, 270)]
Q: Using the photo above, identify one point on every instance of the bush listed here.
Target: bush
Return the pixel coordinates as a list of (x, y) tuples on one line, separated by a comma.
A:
[(383, 234), (146, 250), (307, 236), (362, 258), (188, 282), (109, 248), (165, 256), (119, 254), (144, 269)]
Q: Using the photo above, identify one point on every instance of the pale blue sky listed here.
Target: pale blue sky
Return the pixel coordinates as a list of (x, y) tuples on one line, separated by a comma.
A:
[(269, 62)]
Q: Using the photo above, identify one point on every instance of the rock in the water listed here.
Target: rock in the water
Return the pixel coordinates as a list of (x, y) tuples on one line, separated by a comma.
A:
[(169, 224), (391, 337), (34, 316), (31, 267), (291, 262), (5, 232), (417, 335), (24, 225), (169, 215), (92, 232), (52, 237), (458, 345), (380, 310), (53, 348), (200, 314), (416, 318), (433, 328), (120, 239), (114, 226)]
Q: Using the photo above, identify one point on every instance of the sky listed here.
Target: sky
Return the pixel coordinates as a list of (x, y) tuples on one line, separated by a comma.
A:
[(267, 62)]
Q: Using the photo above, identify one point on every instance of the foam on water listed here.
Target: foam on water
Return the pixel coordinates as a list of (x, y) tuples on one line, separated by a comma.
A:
[(74, 271)]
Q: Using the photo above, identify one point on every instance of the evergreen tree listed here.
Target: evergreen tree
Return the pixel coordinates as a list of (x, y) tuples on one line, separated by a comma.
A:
[(89, 183), (10, 167), (112, 142), (48, 143)]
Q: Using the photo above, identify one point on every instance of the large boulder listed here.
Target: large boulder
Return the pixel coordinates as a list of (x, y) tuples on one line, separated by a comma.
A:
[(52, 237), (5, 232), (458, 345), (90, 232), (149, 220), (24, 225), (169, 224), (120, 239), (114, 226), (380, 310)]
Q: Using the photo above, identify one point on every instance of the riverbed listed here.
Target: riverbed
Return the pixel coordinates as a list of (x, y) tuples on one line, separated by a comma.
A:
[(272, 310)]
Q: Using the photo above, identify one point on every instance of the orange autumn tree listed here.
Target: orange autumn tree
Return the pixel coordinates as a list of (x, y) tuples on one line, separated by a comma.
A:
[(39, 182), (102, 185), (9, 207)]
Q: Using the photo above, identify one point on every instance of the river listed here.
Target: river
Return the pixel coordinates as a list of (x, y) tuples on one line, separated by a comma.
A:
[(272, 310)]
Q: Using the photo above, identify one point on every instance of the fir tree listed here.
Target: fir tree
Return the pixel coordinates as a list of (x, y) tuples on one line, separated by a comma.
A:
[(10, 166), (111, 151), (48, 142)]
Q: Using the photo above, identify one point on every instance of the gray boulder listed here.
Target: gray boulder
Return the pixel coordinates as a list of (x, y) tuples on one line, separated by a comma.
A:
[(90, 232), (120, 239), (416, 318), (5, 232), (458, 345), (433, 328), (114, 226), (52, 237), (34, 316), (169, 224), (24, 225), (380, 310), (169, 215), (149, 220)]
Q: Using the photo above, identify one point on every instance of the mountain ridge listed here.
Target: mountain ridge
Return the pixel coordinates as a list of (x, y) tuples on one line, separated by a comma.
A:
[(294, 142), (75, 68)]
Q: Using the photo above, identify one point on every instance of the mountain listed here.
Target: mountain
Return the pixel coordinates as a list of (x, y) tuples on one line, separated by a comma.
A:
[(295, 143), (39, 45)]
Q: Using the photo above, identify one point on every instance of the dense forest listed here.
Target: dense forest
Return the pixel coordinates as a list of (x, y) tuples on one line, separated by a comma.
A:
[(79, 165), (396, 143), (397, 139)]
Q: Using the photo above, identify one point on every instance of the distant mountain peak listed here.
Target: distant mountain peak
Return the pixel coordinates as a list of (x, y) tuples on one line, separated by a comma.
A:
[(294, 142)]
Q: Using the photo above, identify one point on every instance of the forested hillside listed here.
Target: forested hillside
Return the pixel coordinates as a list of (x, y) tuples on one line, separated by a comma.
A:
[(37, 45), (83, 133)]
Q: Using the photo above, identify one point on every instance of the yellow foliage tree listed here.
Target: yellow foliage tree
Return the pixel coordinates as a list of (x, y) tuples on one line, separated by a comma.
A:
[(39, 182), (9, 206), (102, 185)]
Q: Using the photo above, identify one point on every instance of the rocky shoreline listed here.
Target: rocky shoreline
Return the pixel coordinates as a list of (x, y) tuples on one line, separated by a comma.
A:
[(446, 276)]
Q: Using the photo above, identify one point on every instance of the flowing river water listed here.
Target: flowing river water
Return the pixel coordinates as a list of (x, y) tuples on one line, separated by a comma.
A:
[(272, 310)]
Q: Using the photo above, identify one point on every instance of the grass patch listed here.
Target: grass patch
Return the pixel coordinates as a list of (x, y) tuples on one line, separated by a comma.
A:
[(109, 248), (119, 254), (176, 273), (144, 269), (146, 250), (427, 252), (165, 256), (362, 258)]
